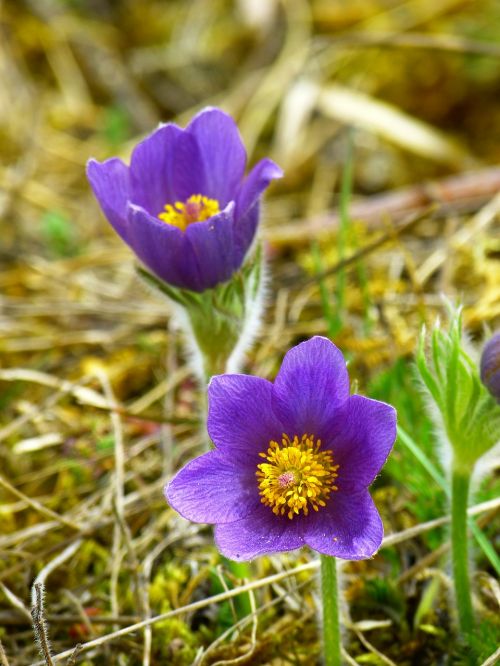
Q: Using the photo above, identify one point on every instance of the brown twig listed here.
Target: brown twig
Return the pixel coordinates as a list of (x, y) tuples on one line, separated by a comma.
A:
[(72, 660), (414, 40), (465, 192), (39, 623), (3, 657), (40, 508), (404, 227), (18, 619)]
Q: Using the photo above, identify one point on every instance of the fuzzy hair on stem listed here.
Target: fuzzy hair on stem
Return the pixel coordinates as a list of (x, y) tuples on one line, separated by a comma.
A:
[(179, 322), (254, 311), (39, 622), (252, 302)]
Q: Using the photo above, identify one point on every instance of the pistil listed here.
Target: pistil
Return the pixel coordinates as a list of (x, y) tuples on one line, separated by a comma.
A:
[(195, 209), (298, 475)]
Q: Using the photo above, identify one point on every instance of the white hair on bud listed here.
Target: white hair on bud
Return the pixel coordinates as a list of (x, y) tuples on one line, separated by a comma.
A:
[(255, 301), (180, 322), (443, 445), (486, 465), (254, 309)]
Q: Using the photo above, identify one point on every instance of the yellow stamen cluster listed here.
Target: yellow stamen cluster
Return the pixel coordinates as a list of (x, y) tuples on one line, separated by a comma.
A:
[(196, 209), (296, 476)]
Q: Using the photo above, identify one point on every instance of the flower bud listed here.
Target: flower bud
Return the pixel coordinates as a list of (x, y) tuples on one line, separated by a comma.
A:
[(463, 410), (490, 366)]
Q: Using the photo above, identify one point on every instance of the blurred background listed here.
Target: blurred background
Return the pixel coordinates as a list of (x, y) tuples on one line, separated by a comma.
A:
[(385, 116), (404, 96)]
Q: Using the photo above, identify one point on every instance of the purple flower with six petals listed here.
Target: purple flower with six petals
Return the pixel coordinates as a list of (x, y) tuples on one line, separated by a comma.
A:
[(292, 461), (184, 206)]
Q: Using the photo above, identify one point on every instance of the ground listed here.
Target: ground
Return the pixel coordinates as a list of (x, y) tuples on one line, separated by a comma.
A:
[(385, 118)]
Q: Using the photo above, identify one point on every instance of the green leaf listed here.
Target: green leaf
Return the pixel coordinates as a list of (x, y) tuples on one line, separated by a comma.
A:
[(433, 471), (426, 463), (464, 408)]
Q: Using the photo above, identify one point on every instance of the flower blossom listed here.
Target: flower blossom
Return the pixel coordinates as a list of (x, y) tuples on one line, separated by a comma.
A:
[(490, 366), (292, 461), (184, 205)]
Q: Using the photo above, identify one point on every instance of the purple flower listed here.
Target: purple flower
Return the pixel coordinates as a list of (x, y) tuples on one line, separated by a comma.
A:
[(184, 205), (292, 463), (490, 366)]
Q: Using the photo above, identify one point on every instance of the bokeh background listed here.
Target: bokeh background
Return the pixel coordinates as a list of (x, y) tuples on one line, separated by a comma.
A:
[(385, 116)]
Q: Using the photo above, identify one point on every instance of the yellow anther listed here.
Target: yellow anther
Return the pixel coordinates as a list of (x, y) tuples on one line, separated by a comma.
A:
[(196, 209), (296, 476)]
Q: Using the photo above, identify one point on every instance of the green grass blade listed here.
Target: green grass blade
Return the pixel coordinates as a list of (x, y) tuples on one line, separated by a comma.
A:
[(333, 322), (485, 545), (345, 198), (433, 471), (414, 448)]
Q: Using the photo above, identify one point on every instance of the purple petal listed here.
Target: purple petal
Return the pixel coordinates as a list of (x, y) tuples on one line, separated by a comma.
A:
[(163, 248), (222, 153), (244, 232), (212, 243), (255, 183), (260, 533), (361, 439), (349, 526), (241, 421), (212, 489), (166, 167), (110, 183), (311, 387), (247, 203)]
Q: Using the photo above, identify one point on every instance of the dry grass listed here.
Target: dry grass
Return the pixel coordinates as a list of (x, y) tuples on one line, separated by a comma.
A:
[(97, 406)]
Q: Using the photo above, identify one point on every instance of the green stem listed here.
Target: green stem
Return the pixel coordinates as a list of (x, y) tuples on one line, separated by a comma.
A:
[(331, 626), (459, 496), (241, 570)]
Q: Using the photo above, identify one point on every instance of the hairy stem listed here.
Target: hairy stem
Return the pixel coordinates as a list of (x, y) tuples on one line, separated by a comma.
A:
[(331, 625), (459, 496)]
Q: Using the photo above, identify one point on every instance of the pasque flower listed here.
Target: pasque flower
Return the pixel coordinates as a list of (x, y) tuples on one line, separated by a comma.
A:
[(490, 366), (184, 205), (292, 461)]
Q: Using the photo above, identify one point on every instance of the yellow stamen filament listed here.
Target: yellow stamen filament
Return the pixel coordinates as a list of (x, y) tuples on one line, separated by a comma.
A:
[(196, 209), (296, 476)]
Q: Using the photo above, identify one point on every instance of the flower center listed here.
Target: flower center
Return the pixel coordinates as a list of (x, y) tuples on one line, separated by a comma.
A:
[(195, 209), (296, 476)]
